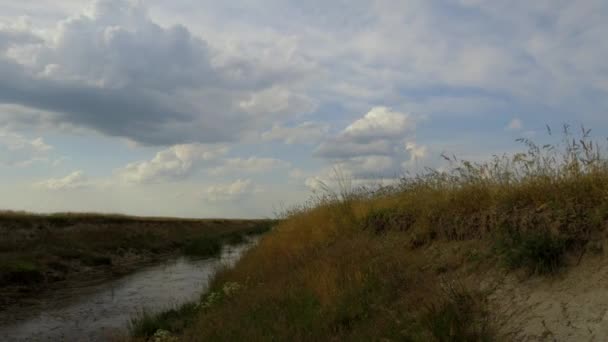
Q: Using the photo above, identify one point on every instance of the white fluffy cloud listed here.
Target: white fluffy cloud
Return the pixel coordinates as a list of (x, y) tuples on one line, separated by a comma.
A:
[(75, 180), (174, 163), (380, 122), (230, 191), (372, 147), (374, 134)]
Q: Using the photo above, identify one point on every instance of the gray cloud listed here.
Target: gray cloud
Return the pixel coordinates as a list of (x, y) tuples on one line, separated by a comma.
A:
[(304, 133), (117, 72), (9, 37)]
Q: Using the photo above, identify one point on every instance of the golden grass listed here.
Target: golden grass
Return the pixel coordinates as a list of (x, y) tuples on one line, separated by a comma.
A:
[(373, 264)]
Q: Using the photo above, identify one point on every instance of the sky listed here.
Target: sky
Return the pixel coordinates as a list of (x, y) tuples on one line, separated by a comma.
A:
[(243, 108)]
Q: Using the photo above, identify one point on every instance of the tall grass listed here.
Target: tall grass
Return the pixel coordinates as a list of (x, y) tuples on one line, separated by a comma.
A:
[(367, 263)]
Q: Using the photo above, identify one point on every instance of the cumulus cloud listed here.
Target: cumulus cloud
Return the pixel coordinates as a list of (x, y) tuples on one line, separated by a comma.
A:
[(229, 192), (380, 122), (372, 147), (174, 163), (75, 180), (113, 70), (374, 134), (304, 133)]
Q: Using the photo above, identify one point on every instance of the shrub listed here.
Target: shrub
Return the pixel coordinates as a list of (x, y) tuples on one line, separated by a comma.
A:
[(458, 315), (538, 251)]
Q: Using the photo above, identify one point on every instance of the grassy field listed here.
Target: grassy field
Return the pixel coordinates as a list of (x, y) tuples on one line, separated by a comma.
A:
[(38, 250), (405, 262)]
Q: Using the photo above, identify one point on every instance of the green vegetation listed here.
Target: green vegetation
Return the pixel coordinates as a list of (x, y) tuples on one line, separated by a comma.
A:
[(538, 251), (19, 271), (380, 264), (39, 249)]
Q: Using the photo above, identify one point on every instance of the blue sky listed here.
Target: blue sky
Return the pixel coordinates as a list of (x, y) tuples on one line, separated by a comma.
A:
[(240, 108)]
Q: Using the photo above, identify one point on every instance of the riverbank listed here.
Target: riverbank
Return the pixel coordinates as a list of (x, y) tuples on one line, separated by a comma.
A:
[(42, 251), (101, 310)]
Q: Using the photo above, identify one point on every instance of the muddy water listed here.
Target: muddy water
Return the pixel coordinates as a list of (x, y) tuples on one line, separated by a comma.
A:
[(101, 311)]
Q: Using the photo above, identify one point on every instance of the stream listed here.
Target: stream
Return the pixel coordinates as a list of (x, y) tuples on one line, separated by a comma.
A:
[(101, 311)]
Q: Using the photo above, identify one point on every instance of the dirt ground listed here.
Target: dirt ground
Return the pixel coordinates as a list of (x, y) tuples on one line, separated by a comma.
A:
[(570, 306)]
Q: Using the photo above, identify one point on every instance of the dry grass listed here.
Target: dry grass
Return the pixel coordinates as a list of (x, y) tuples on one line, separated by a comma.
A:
[(368, 264)]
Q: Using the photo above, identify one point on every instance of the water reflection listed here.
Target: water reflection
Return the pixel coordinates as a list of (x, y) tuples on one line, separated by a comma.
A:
[(97, 312)]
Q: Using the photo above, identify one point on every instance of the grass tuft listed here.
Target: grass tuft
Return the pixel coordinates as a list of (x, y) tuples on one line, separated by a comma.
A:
[(459, 315)]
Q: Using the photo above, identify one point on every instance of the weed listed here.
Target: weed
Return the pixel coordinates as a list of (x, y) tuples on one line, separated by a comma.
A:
[(146, 324)]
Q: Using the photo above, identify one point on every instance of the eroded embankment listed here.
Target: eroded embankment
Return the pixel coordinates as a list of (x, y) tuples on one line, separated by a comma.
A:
[(572, 306)]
